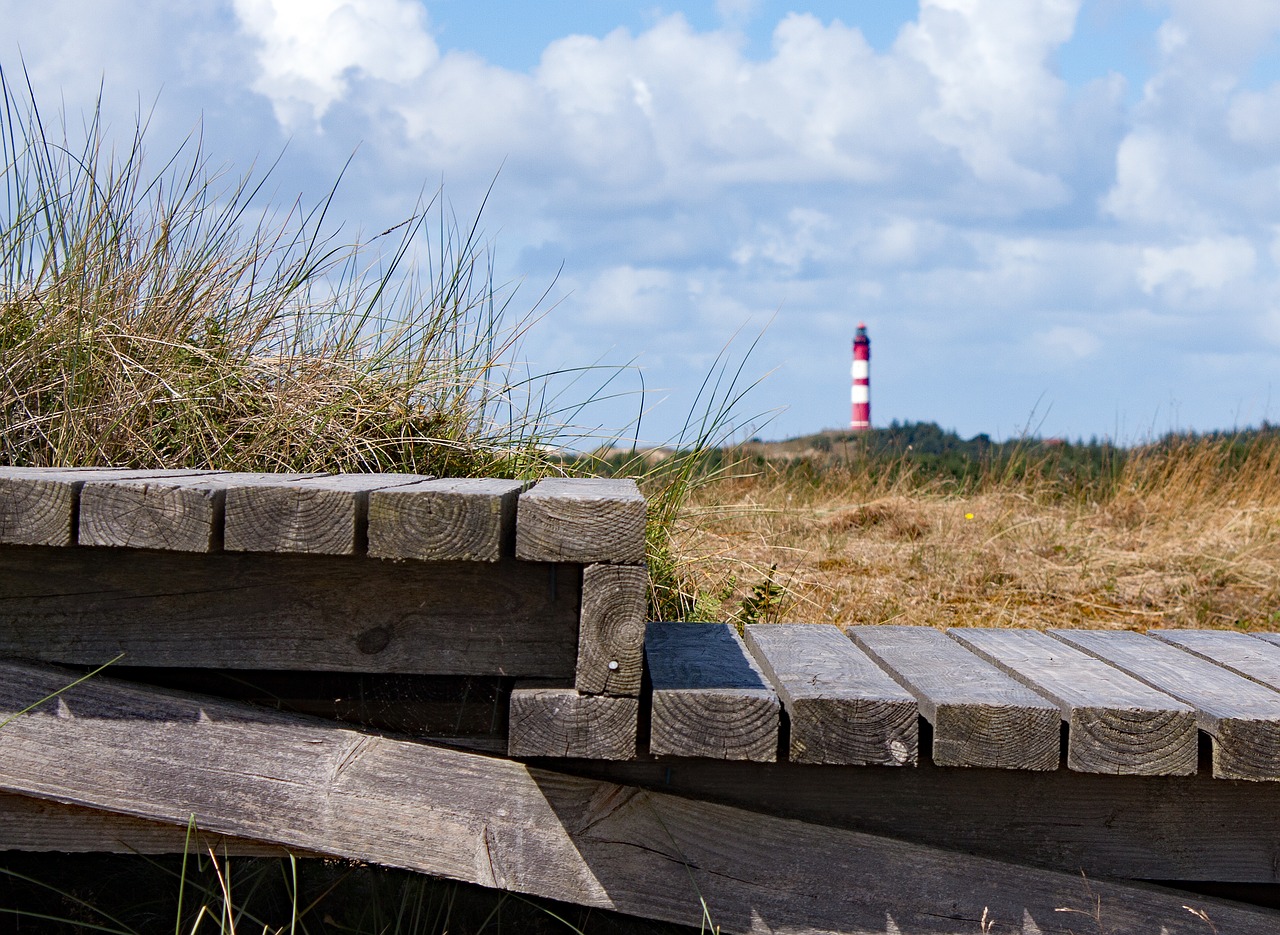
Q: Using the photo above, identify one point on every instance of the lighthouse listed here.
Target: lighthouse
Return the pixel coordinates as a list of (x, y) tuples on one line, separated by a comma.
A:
[(861, 380)]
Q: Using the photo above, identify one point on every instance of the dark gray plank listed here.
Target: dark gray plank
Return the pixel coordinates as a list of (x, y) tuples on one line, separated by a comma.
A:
[(320, 515), (709, 697), (1116, 724), (450, 519), (266, 611), (980, 716), (615, 602), (40, 506), (1241, 716), (1253, 658), (559, 722), (302, 784), (842, 707), (181, 514), (581, 520)]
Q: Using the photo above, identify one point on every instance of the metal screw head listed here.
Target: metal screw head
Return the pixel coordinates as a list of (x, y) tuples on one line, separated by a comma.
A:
[(613, 665)]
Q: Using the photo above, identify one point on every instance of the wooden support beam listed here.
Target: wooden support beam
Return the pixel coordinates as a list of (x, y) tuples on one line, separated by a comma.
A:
[(980, 716), (709, 697), (304, 784), (1241, 716), (175, 513), (581, 520), (450, 519), (615, 602), (560, 722), (267, 611), (843, 708), (316, 516), (1116, 724), (41, 506)]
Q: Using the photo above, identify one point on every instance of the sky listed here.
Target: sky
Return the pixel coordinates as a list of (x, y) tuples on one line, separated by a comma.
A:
[(1055, 216)]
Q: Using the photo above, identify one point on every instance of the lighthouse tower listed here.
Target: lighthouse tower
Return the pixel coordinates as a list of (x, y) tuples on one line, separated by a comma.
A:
[(861, 380)]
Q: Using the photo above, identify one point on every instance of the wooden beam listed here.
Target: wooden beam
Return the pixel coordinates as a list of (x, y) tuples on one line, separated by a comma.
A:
[(1240, 652), (455, 519), (615, 602), (980, 716), (1241, 716), (317, 516), (581, 520), (266, 611), (304, 784), (1116, 724), (709, 697), (843, 708), (560, 722), (176, 513), (41, 506)]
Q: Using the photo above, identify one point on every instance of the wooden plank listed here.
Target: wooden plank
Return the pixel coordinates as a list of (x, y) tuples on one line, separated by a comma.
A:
[(1241, 716), (319, 515), (266, 611), (1116, 724), (450, 519), (709, 697), (40, 506), (980, 716), (842, 707), (1118, 827), (303, 784), (615, 603), (28, 824), (181, 514), (559, 722), (1240, 652), (581, 520)]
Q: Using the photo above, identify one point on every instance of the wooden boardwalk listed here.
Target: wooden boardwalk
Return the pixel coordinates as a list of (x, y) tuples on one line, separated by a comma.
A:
[(795, 777)]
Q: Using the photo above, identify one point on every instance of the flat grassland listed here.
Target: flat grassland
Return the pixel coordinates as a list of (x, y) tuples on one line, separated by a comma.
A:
[(1180, 533)]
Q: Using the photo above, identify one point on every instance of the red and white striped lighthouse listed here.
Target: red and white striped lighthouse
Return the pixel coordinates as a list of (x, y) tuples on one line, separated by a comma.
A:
[(861, 380)]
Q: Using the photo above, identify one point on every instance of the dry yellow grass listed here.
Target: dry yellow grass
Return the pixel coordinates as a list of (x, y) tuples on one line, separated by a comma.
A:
[(1189, 536)]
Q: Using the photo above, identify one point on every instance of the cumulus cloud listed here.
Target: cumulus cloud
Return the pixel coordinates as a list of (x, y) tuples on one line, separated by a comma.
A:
[(1207, 264)]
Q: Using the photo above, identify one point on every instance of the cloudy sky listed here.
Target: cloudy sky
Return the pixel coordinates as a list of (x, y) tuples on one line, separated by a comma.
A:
[(1055, 213)]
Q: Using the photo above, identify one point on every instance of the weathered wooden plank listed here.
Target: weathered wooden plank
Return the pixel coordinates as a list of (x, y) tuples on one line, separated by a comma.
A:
[(1241, 716), (176, 513), (615, 602), (1125, 827), (709, 697), (40, 506), (320, 515), (1116, 724), (581, 520), (28, 824), (450, 519), (267, 611), (303, 784), (842, 707), (980, 716), (1240, 652), (549, 720)]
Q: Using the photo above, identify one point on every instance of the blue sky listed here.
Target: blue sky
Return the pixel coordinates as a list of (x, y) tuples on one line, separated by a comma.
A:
[(1062, 214)]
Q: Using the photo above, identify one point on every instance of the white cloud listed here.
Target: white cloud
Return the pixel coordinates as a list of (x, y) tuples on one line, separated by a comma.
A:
[(1208, 264), (1064, 344)]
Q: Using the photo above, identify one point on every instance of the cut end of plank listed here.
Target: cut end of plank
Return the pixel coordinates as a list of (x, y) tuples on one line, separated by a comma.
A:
[(584, 520)]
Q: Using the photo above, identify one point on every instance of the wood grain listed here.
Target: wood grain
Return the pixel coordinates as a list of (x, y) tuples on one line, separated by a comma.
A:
[(581, 520), (559, 722), (181, 514), (301, 784), (1241, 716), (318, 516), (41, 506), (843, 708), (265, 611), (1116, 724), (980, 716), (615, 602), (456, 519), (1240, 652), (709, 697)]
